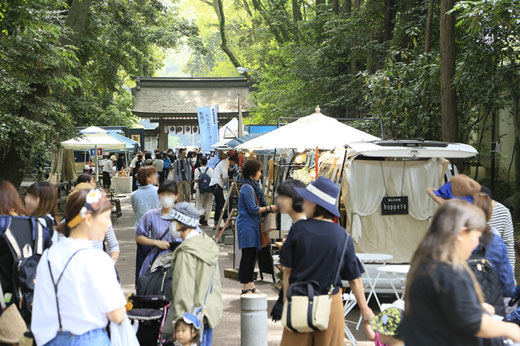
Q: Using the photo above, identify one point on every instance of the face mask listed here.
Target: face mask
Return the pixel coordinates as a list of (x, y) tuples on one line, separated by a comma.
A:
[(173, 230), (167, 202)]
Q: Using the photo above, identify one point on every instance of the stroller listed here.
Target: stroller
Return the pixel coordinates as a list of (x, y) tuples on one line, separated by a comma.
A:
[(151, 302)]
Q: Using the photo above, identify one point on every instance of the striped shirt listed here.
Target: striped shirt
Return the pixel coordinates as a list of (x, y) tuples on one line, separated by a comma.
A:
[(501, 221), (111, 240)]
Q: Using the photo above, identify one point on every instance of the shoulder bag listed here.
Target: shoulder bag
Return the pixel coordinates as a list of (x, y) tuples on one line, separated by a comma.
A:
[(307, 310)]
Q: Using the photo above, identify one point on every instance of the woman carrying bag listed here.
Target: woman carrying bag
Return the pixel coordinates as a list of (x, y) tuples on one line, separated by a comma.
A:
[(76, 291), (320, 252), (251, 204)]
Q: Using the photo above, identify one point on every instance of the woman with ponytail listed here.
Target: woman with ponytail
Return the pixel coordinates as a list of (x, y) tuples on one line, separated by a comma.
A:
[(444, 303), (76, 291)]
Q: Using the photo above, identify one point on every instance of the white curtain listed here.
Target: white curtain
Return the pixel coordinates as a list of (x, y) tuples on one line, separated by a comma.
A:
[(366, 189), (367, 182)]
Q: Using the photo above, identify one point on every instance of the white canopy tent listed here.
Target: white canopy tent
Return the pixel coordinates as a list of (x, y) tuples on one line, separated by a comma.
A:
[(92, 129), (310, 132), (94, 141)]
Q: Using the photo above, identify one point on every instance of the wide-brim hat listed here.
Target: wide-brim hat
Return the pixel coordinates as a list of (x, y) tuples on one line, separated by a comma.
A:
[(324, 192), (12, 325), (387, 321), (184, 213)]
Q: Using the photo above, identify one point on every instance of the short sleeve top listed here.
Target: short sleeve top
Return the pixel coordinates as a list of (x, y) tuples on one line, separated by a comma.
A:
[(87, 291), (443, 309), (313, 249)]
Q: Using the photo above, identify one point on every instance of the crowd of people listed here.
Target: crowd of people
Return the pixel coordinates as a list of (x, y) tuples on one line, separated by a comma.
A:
[(66, 289)]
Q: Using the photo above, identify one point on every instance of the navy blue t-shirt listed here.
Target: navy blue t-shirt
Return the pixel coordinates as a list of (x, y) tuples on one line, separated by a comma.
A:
[(313, 249)]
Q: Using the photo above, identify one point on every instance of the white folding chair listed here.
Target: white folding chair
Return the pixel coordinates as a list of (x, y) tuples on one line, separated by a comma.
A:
[(349, 304)]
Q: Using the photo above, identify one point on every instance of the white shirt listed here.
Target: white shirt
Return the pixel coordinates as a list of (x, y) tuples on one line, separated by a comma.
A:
[(220, 174), (107, 166), (134, 161), (87, 291), (199, 171)]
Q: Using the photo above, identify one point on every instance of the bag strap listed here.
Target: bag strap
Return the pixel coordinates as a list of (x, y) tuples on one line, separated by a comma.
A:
[(340, 264), (56, 283), (164, 234), (2, 298)]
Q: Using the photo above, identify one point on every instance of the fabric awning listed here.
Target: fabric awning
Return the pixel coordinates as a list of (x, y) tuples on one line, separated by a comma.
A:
[(91, 141), (315, 130)]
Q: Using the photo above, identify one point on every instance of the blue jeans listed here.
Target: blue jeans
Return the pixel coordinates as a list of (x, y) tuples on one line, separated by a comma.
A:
[(96, 337), (207, 336)]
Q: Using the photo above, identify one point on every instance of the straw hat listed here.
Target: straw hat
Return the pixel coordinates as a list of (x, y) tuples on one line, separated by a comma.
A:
[(12, 325)]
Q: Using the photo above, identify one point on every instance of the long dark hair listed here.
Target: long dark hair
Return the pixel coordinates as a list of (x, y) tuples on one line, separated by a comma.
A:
[(10, 201), (440, 240), (48, 198)]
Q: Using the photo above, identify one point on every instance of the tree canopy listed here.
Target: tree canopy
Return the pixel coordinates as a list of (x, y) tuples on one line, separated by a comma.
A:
[(67, 63)]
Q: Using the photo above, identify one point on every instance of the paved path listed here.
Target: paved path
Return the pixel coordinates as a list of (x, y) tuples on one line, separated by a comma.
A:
[(228, 331)]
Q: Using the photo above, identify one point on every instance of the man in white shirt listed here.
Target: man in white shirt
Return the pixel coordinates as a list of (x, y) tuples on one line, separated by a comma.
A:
[(107, 171), (218, 181)]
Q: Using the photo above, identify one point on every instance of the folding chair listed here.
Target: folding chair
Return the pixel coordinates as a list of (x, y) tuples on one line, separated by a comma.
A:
[(349, 304)]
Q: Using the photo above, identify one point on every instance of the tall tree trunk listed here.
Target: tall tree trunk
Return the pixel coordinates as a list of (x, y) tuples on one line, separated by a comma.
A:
[(427, 49), (450, 123), (297, 14), (19, 156), (347, 7), (389, 20), (516, 120), (224, 42)]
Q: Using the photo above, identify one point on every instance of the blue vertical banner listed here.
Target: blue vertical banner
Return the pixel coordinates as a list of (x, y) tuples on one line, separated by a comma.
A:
[(208, 125)]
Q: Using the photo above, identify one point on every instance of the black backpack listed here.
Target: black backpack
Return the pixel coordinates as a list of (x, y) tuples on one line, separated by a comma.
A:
[(488, 279), (204, 181), (26, 239), (157, 282)]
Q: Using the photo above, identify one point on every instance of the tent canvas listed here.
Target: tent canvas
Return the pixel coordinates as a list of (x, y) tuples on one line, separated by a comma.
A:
[(315, 130), (91, 141), (130, 143)]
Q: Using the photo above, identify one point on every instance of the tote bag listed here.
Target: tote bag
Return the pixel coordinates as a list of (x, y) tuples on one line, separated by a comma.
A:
[(123, 334), (305, 309)]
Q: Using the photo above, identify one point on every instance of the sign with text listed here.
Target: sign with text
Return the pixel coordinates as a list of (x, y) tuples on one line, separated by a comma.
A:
[(394, 205), (99, 152), (208, 126)]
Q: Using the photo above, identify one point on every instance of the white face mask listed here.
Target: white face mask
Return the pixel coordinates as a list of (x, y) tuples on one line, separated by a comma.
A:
[(167, 202), (173, 230)]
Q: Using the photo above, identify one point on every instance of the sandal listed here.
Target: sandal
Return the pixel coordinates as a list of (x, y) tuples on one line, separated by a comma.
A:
[(245, 292), (255, 291)]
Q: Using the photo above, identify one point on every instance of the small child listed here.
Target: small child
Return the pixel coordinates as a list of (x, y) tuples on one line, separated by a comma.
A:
[(460, 186), (187, 330), (382, 328)]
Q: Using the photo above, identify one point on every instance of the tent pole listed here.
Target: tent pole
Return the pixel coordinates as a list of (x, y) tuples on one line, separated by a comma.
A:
[(316, 158), (97, 165)]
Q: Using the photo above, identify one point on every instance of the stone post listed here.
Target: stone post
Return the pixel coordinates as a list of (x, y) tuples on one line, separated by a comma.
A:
[(253, 320)]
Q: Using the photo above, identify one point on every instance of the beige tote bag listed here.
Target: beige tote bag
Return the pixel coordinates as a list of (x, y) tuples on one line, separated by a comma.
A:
[(305, 309)]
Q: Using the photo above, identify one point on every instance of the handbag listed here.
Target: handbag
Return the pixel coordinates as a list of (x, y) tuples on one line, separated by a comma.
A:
[(307, 310), (269, 222), (123, 334)]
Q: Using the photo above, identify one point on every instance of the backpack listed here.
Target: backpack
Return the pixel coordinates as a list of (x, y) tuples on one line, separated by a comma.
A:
[(158, 282), (488, 279), (204, 181), (26, 239)]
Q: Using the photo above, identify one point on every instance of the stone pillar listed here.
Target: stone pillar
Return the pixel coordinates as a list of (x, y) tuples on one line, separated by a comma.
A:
[(163, 136), (253, 319)]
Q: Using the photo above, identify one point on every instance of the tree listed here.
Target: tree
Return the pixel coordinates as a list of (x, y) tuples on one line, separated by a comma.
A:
[(66, 63), (448, 47)]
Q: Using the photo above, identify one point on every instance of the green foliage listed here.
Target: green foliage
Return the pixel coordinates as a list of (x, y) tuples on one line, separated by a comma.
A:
[(369, 62), (55, 75)]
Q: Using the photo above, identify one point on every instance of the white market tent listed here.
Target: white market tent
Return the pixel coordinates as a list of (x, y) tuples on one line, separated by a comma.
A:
[(315, 130), (92, 129), (94, 141)]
